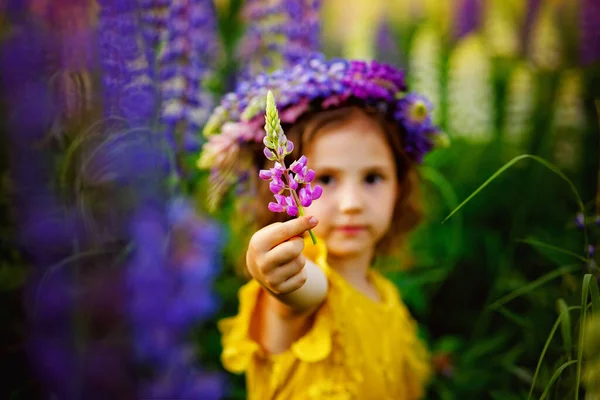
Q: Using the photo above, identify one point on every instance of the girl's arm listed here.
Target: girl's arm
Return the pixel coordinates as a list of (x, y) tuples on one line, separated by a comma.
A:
[(293, 287), (283, 319)]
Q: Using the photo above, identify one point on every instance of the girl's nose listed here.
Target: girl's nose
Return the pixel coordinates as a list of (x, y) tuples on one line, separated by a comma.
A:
[(350, 199)]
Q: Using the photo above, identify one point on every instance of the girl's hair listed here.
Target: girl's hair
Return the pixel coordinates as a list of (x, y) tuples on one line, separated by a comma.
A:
[(407, 211)]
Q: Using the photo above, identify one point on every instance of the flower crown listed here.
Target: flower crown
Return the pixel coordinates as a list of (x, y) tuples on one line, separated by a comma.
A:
[(311, 85)]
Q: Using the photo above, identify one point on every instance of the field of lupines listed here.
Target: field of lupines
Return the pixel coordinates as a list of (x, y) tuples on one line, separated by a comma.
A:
[(114, 271)]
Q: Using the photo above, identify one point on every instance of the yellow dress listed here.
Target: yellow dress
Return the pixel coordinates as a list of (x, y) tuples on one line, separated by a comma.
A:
[(357, 348)]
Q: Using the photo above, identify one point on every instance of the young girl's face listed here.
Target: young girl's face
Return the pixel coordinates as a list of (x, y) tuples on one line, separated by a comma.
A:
[(356, 168)]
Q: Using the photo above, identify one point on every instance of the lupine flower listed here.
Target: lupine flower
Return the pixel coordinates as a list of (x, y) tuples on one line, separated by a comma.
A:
[(281, 33), (469, 17), (569, 121), (281, 178), (425, 61), (471, 108), (519, 108), (170, 281), (590, 31), (189, 50)]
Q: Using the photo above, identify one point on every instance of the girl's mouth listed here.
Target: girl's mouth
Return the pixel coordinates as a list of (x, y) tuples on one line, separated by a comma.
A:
[(352, 229)]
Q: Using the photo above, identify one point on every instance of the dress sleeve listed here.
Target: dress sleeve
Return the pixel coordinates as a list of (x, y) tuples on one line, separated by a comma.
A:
[(238, 347)]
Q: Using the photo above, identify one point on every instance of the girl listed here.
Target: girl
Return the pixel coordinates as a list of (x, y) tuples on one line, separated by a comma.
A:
[(317, 322)]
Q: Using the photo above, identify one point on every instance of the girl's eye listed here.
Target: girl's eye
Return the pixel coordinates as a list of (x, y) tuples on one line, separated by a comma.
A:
[(373, 177), (325, 179)]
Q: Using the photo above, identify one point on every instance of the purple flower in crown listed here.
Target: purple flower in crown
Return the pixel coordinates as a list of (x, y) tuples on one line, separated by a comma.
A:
[(313, 84), (286, 179), (414, 110)]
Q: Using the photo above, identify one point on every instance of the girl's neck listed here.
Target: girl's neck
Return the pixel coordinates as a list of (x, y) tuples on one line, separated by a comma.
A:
[(353, 268)]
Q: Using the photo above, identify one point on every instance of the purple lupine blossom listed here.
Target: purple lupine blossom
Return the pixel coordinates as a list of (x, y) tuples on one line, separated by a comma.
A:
[(531, 12), (170, 280), (128, 89), (189, 50), (279, 34), (590, 31), (388, 48), (66, 357), (469, 16), (281, 178)]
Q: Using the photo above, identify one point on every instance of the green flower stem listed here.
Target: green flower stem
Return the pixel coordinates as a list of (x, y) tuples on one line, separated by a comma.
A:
[(296, 199), (301, 213)]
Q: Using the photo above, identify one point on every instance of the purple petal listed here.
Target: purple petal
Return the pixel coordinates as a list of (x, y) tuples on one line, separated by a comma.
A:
[(296, 167), (280, 151), (274, 207), (277, 180), (269, 154), (293, 184), (316, 192), (279, 168), (289, 147), (280, 198), (265, 174), (289, 201), (275, 188), (292, 211), (305, 199), (302, 161), (309, 176)]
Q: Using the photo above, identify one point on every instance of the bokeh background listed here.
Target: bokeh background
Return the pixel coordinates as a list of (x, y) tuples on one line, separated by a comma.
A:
[(113, 274)]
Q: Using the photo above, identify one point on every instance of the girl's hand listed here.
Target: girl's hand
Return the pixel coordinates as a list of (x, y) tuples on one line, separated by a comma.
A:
[(274, 256)]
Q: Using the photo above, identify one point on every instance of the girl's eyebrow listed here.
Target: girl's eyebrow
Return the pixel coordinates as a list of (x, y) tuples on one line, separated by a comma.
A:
[(368, 168)]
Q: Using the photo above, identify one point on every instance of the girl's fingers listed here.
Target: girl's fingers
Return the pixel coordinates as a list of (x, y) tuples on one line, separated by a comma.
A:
[(293, 283), (285, 272), (278, 233), (282, 254)]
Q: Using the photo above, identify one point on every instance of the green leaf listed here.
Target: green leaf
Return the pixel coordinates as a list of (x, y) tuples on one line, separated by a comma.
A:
[(521, 321), (595, 295), (584, 296), (546, 345), (532, 286), (537, 243), (565, 326), (509, 164)]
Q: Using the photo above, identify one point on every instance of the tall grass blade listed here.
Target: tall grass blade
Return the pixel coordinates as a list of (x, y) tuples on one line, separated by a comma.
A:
[(546, 345), (533, 285)]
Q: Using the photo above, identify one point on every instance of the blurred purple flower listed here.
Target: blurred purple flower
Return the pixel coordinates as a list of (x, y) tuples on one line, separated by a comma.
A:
[(469, 15), (190, 51), (388, 48), (414, 110), (126, 76), (280, 34), (170, 284), (590, 31)]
